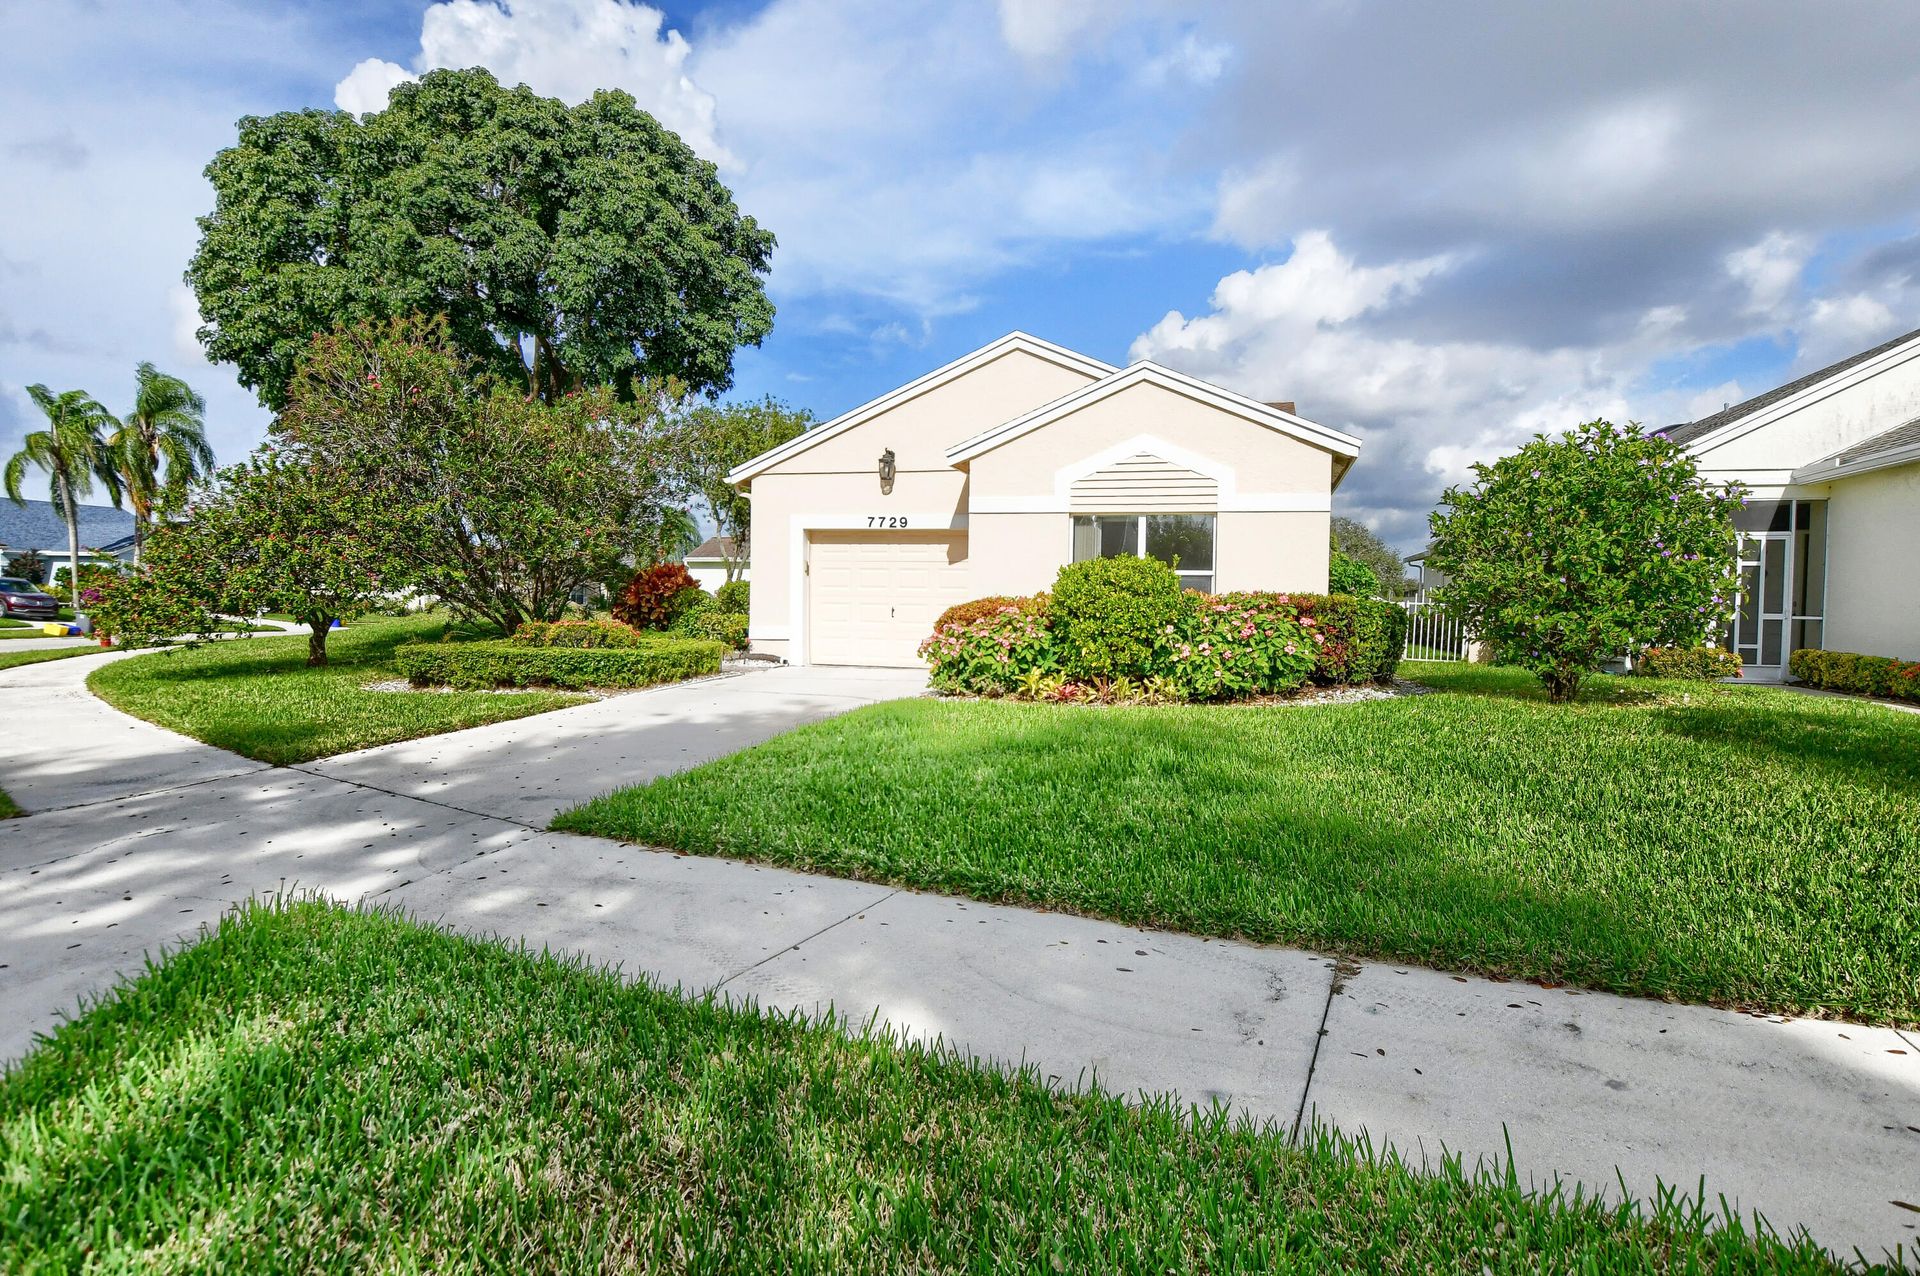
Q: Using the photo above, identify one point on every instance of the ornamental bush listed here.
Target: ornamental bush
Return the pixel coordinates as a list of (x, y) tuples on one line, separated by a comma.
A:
[(980, 608), (1861, 675), (578, 633), (1351, 576), (1110, 616), (1575, 549), (655, 597), (995, 653), (1698, 664), (733, 597), (708, 619), (1241, 645), (477, 666)]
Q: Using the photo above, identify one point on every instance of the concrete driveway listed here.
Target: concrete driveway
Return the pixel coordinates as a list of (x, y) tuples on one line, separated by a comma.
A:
[(142, 837)]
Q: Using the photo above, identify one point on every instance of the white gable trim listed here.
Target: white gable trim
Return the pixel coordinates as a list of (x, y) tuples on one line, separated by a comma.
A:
[(1252, 410), (913, 389), (1772, 412)]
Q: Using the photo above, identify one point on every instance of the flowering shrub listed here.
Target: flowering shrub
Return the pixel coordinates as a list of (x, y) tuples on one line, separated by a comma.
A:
[(654, 598), (1574, 549), (1862, 675), (578, 633), (143, 608), (992, 654), (1243, 645), (979, 608), (1700, 664), (1213, 648)]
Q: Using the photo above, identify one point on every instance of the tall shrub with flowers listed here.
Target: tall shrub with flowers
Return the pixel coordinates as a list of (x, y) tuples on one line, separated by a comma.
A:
[(1575, 550), (1241, 645)]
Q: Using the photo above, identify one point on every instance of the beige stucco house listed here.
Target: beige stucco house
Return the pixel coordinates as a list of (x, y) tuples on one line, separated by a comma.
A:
[(1830, 537), (987, 475)]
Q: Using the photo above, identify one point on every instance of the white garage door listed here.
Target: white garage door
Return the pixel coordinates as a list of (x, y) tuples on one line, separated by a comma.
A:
[(873, 596)]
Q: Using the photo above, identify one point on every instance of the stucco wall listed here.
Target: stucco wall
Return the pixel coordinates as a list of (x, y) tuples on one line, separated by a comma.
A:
[(1821, 428), (836, 484), (1873, 565)]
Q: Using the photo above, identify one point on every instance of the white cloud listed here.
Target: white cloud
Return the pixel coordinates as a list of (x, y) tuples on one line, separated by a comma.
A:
[(1044, 29), (561, 48), (1770, 271), (366, 87)]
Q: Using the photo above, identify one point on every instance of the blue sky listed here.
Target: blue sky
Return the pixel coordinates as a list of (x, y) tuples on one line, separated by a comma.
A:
[(1439, 227)]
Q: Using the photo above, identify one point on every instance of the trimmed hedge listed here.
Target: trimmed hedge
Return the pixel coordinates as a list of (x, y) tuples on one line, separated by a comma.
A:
[(1696, 664), (579, 633), (1208, 647), (734, 597), (477, 666), (708, 619), (1111, 616), (1861, 675)]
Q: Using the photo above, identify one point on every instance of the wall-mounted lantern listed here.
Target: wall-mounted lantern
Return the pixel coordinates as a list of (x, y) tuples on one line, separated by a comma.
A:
[(887, 471)]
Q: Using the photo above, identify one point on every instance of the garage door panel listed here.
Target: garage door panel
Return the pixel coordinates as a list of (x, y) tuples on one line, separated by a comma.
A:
[(874, 596)]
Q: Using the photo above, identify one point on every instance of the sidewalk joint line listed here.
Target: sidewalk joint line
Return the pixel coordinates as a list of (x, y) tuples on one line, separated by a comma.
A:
[(806, 939), (1335, 974)]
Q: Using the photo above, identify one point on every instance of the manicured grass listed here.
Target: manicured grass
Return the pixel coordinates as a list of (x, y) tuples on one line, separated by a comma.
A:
[(258, 698), (314, 1089), (1699, 842), (9, 809), (14, 659)]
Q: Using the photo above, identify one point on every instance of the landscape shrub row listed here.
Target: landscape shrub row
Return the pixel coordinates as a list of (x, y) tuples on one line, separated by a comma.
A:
[(1698, 664), (474, 666), (579, 633), (1122, 629), (1861, 675)]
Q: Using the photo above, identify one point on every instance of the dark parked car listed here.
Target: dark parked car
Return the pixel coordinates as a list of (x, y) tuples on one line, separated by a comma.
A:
[(23, 599)]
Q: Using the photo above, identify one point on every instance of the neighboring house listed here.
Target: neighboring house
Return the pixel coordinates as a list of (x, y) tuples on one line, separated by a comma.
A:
[(1830, 536), (106, 533), (988, 475), (1425, 578), (707, 562)]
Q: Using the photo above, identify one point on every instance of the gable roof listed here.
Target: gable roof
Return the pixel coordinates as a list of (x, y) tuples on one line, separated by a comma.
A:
[(913, 389), (1146, 371), (1897, 446), (1690, 431), (37, 526)]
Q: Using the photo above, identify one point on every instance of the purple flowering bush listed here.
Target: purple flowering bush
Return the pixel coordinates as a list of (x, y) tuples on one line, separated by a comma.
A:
[(1576, 549)]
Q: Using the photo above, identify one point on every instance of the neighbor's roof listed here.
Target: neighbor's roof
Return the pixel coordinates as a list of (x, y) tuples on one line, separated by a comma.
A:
[(913, 389), (713, 547), (1691, 430), (37, 527), (1898, 446)]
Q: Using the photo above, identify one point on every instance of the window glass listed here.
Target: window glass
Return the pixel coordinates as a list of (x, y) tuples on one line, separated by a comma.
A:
[(1184, 541)]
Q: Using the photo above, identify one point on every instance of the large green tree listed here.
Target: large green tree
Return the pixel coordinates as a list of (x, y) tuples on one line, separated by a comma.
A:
[(1359, 542), (566, 247), (161, 447), (709, 441), (1576, 550), (484, 496), (73, 451)]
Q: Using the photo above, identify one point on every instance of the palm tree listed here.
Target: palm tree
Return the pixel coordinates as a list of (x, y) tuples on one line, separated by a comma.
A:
[(73, 450), (160, 447)]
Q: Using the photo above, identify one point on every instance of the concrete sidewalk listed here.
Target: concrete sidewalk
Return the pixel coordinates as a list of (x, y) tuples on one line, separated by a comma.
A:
[(1813, 1124)]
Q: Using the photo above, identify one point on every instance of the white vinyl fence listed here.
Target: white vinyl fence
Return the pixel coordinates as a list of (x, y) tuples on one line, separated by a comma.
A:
[(1430, 634)]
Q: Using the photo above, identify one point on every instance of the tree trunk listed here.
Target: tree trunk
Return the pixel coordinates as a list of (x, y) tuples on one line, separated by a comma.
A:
[(139, 536), (317, 641), (73, 542), (1562, 685)]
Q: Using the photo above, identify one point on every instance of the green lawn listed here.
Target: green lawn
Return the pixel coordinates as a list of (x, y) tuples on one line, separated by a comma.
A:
[(258, 698), (9, 809), (14, 659), (1699, 842), (314, 1089)]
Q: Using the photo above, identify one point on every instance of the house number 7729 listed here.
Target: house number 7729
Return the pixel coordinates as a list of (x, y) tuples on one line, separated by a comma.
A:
[(886, 520)]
